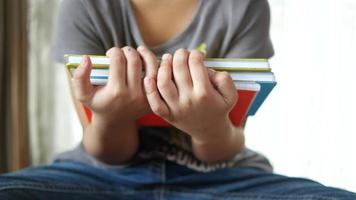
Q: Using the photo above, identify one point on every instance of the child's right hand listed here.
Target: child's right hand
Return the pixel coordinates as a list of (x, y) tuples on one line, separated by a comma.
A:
[(112, 136), (122, 99)]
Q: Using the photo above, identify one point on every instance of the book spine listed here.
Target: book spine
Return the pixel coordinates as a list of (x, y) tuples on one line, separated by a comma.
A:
[(266, 88)]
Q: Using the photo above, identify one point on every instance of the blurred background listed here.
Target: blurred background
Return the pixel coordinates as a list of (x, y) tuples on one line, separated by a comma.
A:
[(306, 127)]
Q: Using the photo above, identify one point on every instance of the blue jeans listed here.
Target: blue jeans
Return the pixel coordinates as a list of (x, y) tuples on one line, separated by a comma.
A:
[(157, 179)]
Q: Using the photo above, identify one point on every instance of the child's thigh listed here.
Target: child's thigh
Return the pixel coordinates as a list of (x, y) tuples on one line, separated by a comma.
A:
[(67, 181), (249, 183)]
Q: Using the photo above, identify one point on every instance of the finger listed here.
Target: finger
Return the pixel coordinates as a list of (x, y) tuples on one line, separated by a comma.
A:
[(181, 74), (223, 83), (211, 74), (81, 80), (149, 62), (134, 68), (117, 69), (198, 71), (165, 84), (158, 106)]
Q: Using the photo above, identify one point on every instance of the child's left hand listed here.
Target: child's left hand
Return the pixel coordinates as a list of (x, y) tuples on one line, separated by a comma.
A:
[(191, 97)]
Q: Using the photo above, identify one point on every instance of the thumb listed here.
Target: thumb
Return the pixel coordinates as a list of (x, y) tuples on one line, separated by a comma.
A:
[(224, 85), (81, 80)]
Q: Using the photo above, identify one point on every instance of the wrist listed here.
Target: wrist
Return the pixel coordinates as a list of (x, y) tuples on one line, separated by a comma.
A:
[(229, 142), (218, 131), (109, 142), (105, 124)]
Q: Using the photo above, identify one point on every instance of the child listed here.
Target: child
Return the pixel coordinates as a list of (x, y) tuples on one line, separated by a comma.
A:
[(203, 156)]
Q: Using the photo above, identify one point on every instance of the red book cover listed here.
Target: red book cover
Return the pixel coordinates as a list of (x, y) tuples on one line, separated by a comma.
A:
[(246, 92)]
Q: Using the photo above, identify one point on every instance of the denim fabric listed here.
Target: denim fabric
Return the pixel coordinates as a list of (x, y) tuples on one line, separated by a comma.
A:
[(158, 179)]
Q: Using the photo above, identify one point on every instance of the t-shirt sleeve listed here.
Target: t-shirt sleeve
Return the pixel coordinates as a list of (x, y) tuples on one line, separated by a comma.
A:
[(79, 154), (252, 38), (75, 32)]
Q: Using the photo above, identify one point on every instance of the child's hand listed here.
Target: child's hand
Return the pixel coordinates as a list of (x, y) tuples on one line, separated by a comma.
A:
[(191, 97), (122, 99), (112, 136)]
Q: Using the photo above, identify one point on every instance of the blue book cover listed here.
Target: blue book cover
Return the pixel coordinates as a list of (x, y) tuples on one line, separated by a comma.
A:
[(266, 88)]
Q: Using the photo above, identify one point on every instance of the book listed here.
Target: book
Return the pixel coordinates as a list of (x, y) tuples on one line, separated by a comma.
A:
[(226, 64), (266, 89), (253, 79), (246, 76), (265, 79)]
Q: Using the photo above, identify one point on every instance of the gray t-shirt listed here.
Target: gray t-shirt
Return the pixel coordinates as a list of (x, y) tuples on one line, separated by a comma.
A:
[(226, 28)]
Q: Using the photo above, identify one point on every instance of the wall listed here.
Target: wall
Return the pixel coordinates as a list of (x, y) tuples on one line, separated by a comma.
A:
[(307, 126)]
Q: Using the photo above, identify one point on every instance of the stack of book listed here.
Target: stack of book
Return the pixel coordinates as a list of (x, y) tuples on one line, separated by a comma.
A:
[(253, 78)]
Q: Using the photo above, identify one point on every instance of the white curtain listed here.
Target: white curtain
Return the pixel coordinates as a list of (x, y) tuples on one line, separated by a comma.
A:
[(306, 127), (54, 126)]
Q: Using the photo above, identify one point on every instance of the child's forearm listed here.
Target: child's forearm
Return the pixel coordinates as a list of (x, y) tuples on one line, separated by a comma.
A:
[(111, 143), (224, 147)]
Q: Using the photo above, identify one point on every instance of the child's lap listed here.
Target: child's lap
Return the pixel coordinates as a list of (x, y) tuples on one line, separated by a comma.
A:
[(157, 180)]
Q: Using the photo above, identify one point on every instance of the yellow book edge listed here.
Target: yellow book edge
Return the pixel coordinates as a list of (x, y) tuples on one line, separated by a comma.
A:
[(208, 59), (237, 68)]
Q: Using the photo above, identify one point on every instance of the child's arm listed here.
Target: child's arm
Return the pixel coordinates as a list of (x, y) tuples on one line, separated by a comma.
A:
[(198, 102), (112, 136), (227, 141)]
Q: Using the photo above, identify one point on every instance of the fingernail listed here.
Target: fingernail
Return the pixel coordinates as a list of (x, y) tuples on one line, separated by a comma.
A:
[(140, 48), (84, 61), (211, 71), (166, 56), (108, 52)]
